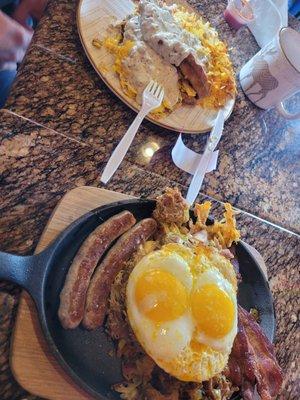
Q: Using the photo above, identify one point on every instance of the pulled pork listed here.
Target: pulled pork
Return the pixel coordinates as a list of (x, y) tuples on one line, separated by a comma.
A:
[(171, 208)]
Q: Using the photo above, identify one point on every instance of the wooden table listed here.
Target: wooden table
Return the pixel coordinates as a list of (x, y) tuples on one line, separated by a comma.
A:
[(61, 123)]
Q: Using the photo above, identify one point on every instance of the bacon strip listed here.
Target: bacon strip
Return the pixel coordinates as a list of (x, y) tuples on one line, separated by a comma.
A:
[(252, 361)]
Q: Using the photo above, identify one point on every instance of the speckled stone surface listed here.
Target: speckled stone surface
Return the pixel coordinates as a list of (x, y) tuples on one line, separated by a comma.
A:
[(259, 152), (70, 99), (75, 124), (41, 165)]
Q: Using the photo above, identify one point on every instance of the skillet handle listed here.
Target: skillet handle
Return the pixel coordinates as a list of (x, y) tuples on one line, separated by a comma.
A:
[(26, 271)]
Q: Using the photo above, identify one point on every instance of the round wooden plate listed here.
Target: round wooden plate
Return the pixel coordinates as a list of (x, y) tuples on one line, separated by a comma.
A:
[(93, 19)]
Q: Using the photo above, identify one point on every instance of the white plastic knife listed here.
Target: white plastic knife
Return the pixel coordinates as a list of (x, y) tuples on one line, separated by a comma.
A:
[(211, 144)]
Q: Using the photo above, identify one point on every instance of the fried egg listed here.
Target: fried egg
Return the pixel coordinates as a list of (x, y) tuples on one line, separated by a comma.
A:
[(182, 306)]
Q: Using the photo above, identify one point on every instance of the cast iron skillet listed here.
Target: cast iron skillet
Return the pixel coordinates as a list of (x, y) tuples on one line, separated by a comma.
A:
[(85, 355)]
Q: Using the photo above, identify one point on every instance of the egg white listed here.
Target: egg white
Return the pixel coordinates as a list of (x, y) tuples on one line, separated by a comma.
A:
[(170, 343), (213, 276), (166, 261), (169, 338)]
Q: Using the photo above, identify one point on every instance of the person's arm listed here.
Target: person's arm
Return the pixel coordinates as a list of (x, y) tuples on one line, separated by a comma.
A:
[(29, 8), (14, 40)]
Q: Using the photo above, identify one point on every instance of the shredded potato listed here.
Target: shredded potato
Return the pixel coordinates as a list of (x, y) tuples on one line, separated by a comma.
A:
[(162, 109), (187, 88), (220, 71), (202, 211), (225, 231), (121, 51)]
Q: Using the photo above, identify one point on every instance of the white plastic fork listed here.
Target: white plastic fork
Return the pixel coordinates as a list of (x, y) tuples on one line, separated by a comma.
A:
[(152, 98)]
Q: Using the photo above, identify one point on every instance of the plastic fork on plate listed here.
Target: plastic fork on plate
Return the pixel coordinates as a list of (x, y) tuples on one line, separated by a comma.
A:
[(152, 98)]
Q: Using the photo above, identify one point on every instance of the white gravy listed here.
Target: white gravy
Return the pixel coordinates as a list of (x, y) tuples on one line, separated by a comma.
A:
[(160, 30), (143, 64)]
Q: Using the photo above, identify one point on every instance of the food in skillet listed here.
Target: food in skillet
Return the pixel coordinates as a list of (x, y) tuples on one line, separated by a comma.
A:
[(176, 48), (168, 287)]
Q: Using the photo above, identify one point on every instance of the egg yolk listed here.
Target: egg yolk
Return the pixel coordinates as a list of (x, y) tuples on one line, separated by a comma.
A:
[(160, 296), (213, 310)]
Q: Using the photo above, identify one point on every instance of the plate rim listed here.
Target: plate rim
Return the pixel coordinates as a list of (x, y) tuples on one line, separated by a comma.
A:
[(124, 100)]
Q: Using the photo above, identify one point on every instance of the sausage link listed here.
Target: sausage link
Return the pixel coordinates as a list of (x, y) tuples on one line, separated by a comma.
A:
[(73, 294), (99, 289)]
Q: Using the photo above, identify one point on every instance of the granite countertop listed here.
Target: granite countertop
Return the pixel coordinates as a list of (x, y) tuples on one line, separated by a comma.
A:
[(60, 125), (257, 172)]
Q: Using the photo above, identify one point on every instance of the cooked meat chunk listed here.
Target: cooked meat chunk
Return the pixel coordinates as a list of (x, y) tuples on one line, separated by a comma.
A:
[(171, 208), (191, 101), (196, 75)]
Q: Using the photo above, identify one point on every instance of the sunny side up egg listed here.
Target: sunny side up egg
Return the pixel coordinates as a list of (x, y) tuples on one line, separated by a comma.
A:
[(182, 307)]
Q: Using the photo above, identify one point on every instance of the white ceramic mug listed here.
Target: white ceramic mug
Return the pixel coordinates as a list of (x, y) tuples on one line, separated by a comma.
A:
[(273, 74)]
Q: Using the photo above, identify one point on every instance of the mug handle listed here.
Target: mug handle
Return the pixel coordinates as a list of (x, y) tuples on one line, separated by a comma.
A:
[(282, 111)]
